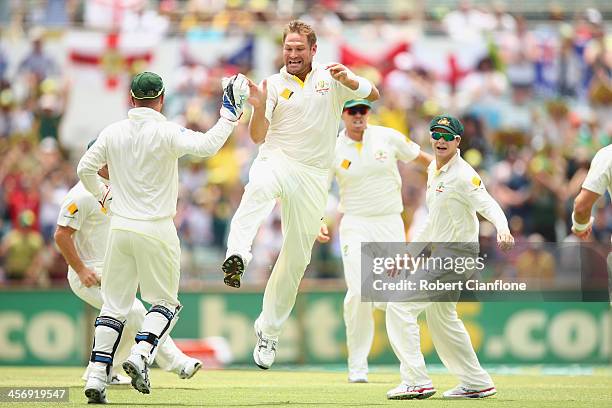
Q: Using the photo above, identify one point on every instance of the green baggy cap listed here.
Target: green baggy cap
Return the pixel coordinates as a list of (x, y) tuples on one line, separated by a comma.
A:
[(447, 122), (357, 102), (147, 85)]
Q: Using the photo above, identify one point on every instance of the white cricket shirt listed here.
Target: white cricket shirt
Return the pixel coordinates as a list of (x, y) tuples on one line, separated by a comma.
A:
[(599, 177), (455, 193), (305, 116), (142, 152), (82, 212), (367, 172)]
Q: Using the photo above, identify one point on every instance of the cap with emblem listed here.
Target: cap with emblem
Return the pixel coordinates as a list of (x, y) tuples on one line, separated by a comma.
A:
[(358, 102), (147, 85), (448, 123)]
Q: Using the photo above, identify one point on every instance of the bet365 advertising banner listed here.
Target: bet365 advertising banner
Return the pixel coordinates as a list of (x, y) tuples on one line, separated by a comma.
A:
[(54, 328)]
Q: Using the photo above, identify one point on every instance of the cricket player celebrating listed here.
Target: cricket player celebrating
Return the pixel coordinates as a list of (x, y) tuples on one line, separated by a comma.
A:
[(82, 229), (143, 250), (365, 165), (455, 194), (296, 114), (598, 179)]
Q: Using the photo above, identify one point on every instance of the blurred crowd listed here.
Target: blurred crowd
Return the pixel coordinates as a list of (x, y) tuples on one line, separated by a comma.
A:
[(535, 99)]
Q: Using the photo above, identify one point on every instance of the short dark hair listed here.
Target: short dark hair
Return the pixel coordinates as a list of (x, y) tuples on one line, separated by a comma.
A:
[(300, 27)]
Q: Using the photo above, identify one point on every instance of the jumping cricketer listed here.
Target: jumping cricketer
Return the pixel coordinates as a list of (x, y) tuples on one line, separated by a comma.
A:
[(296, 114)]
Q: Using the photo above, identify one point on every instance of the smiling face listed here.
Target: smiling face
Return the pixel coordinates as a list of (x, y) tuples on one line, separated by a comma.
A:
[(356, 119), (442, 149), (298, 54)]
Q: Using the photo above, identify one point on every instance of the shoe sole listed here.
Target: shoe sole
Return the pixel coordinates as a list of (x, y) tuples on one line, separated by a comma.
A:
[(422, 395), (233, 268), (138, 381), (95, 396), (476, 395), (195, 370)]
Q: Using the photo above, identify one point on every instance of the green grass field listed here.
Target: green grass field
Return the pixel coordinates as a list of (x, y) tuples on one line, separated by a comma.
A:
[(243, 388)]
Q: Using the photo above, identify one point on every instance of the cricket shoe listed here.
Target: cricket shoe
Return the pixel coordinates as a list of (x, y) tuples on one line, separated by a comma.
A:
[(95, 388), (265, 350), (137, 368), (461, 391), (405, 392), (233, 268), (189, 368), (358, 378)]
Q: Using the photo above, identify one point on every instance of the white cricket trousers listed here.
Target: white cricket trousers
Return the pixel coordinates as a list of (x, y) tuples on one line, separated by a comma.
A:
[(449, 336), (358, 316), (140, 253), (303, 193), (169, 357)]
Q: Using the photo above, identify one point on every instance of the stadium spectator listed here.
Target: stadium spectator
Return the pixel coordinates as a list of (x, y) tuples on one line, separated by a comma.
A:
[(37, 64), (22, 249), (536, 110)]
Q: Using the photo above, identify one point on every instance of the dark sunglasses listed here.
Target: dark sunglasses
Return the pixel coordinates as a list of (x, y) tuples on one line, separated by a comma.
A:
[(449, 137), (362, 110)]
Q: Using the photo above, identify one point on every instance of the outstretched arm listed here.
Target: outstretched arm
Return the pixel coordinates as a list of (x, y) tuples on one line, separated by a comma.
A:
[(362, 87)]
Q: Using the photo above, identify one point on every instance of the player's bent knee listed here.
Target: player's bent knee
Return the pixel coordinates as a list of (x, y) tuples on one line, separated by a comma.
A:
[(259, 191)]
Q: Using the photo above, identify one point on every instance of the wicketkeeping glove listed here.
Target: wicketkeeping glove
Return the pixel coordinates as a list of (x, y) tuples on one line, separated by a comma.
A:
[(235, 94)]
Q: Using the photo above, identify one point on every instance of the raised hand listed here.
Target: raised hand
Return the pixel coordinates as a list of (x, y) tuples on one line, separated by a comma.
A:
[(235, 93), (339, 72), (258, 94)]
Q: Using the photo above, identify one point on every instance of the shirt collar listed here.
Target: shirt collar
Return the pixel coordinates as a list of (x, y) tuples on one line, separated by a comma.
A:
[(347, 140), (292, 77), (142, 113), (444, 168)]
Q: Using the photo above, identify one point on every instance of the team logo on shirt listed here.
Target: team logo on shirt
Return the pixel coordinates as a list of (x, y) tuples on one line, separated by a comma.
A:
[(322, 87), (381, 156), (73, 209), (440, 187), (345, 164), (286, 93)]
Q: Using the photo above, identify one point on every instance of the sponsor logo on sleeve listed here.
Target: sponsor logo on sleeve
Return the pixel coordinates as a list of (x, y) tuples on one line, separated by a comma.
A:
[(72, 208)]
